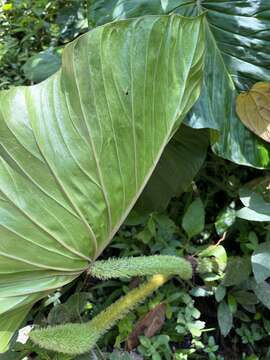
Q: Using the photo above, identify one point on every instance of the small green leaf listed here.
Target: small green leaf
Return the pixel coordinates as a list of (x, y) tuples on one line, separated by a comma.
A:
[(147, 234), (225, 318), (232, 303), (219, 253), (244, 297), (42, 65), (241, 315), (237, 271), (199, 291), (71, 310), (7, 7), (225, 220), (196, 328), (220, 293), (194, 218), (261, 262)]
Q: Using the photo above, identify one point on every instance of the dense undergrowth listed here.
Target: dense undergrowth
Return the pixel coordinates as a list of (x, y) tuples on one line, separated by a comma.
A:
[(187, 327), (216, 317)]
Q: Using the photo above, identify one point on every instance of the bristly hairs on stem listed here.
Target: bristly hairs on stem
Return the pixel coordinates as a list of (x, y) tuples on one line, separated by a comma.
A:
[(141, 266), (75, 339)]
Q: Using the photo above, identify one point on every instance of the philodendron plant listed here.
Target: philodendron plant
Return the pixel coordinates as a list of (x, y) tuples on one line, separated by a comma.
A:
[(236, 57), (77, 151)]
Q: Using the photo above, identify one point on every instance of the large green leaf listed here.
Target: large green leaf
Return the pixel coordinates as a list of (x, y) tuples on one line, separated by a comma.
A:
[(180, 162), (77, 149), (236, 57)]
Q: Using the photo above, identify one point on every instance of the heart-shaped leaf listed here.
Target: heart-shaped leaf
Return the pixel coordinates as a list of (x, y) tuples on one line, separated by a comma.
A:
[(236, 58), (77, 149), (253, 108)]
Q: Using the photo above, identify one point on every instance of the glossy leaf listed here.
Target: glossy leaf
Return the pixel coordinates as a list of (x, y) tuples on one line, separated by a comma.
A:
[(103, 11), (236, 58), (77, 149)]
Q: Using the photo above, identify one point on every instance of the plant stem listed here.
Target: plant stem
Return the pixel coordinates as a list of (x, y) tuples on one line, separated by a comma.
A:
[(77, 339), (141, 266), (80, 338)]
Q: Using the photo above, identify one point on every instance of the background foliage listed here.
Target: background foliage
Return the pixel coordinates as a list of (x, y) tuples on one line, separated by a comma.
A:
[(213, 317)]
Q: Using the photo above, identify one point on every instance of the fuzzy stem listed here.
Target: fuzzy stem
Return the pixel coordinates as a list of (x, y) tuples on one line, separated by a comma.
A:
[(77, 339), (141, 266)]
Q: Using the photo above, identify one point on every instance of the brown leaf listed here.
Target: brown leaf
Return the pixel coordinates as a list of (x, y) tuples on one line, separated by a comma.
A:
[(148, 326), (253, 108)]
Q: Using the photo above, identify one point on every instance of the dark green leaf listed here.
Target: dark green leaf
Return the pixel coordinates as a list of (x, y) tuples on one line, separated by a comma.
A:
[(42, 65), (220, 293), (148, 232), (10, 355), (179, 163), (225, 318), (244, 297), (70, 311), (262, 291), (236, 58), (72, 19), (104, 11), (194, 218), (238, 270)]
